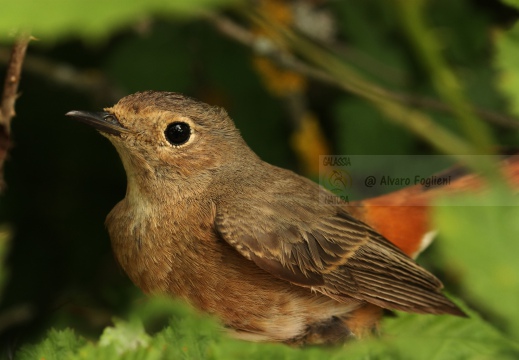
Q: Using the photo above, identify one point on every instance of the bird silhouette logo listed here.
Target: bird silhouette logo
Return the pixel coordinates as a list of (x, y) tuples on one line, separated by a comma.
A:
[(338, 181)]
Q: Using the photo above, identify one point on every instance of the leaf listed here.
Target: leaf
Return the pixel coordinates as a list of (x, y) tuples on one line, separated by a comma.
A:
[(481, 247), (90, 19), (506, 60), (412, 336), (514, 3), (56, 346), (125, 336)]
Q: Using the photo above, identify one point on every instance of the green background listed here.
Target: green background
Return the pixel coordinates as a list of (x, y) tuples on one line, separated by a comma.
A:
[(63, 178)]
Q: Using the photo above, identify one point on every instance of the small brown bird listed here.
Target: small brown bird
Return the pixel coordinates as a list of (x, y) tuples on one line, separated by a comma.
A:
[(206, 220)]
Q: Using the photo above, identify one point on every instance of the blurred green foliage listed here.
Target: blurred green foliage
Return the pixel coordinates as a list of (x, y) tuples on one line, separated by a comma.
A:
[(90, 19), (63, 178), (192, 336), (481, 249)]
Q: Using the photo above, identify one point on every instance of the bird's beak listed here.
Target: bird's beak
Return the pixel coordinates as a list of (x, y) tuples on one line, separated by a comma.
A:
[(102, 121)]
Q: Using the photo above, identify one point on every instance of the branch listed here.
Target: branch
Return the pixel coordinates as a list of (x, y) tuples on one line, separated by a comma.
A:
[(240, 34), (83, 80), (9, 96)]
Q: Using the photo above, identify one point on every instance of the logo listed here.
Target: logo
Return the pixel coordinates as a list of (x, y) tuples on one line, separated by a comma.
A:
[(334, 177), (338, 181)]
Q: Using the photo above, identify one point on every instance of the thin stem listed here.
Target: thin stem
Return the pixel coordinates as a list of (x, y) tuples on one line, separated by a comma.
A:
[(9, 96)]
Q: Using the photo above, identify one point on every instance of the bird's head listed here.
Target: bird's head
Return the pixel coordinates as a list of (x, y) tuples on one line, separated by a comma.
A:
[(168, 137)]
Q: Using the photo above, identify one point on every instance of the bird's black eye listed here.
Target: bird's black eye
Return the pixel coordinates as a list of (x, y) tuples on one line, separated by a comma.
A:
[(178, 133)]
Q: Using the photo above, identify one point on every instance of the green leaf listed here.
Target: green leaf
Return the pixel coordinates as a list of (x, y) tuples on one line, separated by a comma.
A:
[(413, 336), (57, 345), (91, 19), (481, 247), (125, 336), (506, 60), (514, 3)]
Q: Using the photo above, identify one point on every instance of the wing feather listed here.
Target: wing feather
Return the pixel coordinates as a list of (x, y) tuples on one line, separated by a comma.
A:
[(311, 244)]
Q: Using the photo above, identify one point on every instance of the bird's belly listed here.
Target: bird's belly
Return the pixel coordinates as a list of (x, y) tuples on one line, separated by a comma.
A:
[(253, 304), (213, 277)]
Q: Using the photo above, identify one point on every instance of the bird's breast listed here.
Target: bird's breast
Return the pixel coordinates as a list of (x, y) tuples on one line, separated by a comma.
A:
[(159, 247), (169, 252)]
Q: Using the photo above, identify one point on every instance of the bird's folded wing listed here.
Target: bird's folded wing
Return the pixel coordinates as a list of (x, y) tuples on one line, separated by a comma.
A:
[(323, 247)]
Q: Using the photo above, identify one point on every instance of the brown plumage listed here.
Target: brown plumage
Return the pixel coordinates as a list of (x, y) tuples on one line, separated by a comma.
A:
[(206, 220)]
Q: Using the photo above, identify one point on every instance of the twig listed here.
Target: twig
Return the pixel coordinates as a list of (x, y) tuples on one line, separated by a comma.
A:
[(419, 123), (240, 34), (12, 79), (231, 29), (84, 80), (9, 95)]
